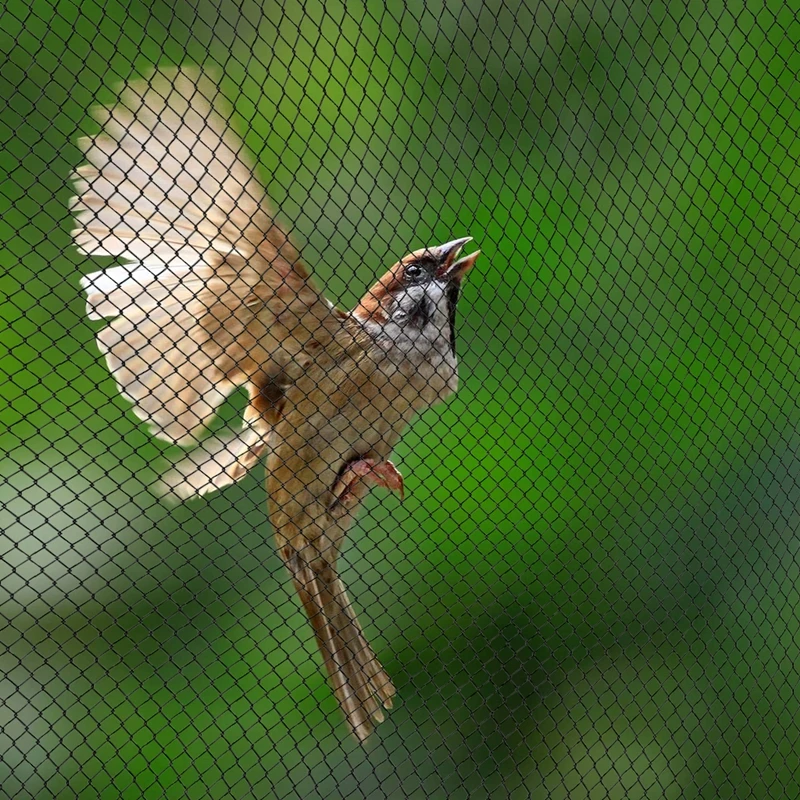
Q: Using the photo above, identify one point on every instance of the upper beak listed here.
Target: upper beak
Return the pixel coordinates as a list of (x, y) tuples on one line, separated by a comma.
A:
[(450, 269)]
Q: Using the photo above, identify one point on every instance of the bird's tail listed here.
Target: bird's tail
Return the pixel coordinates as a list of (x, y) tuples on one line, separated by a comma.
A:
[(359, 681)]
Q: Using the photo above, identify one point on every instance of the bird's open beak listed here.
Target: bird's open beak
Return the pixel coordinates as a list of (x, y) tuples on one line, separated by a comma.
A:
[(451, 269)]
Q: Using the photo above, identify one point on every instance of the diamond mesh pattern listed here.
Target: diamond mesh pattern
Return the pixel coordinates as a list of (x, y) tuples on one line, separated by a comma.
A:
[(590, 589)]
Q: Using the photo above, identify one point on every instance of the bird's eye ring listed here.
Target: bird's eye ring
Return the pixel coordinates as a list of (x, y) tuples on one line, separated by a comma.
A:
[(413, 271)]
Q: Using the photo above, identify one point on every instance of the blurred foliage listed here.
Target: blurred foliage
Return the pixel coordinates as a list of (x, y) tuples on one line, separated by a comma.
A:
[(591, 589)]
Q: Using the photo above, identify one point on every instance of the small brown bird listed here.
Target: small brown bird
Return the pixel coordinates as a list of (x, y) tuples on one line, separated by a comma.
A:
[(212, 297)]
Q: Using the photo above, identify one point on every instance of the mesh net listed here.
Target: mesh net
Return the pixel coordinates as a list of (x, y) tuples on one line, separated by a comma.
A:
[(590, 589)]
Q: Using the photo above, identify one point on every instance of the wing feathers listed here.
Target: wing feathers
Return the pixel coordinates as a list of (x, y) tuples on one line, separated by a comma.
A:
[(168, 171), (213, 293), (122, 290), (173, 384)]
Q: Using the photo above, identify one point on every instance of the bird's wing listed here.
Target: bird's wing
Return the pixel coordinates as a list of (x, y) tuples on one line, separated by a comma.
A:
[(212, 294)]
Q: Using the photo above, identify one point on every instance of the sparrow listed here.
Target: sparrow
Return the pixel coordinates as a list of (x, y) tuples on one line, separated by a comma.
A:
[(212, 296)]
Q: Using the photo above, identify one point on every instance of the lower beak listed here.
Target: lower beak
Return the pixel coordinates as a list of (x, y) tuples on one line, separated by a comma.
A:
[(449, 268), (455, 272)]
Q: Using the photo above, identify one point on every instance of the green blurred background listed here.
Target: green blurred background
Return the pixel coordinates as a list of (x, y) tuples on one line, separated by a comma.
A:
[(591, 590)]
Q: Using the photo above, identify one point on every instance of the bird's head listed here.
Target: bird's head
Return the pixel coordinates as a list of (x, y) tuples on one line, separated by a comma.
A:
[(416, 299)]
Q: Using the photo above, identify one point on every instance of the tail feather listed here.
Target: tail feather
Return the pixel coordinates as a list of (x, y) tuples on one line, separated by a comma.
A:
[(359, 682)]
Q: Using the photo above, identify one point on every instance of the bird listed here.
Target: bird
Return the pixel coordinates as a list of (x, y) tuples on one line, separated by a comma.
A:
[(211, 296)]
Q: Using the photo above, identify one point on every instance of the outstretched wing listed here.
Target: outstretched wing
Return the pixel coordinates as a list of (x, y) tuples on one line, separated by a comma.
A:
[(212, 295)]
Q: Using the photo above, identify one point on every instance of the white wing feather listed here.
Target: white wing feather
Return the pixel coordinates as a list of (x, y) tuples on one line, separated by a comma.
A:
[(200, 307)]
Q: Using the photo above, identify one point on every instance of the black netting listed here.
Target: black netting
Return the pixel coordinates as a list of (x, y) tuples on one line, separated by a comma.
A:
[(590, 590)]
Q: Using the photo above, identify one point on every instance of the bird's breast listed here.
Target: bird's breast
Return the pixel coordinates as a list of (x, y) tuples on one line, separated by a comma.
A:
[(426, 373), (343, 410)]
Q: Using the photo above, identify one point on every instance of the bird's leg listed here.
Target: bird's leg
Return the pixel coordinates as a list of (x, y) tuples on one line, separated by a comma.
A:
[(356, 477)]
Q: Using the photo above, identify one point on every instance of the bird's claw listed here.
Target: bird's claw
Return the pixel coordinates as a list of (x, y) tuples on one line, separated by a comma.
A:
[(357, 476)]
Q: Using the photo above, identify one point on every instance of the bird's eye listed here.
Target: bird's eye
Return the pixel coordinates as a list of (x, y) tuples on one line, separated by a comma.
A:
[(413, 271)]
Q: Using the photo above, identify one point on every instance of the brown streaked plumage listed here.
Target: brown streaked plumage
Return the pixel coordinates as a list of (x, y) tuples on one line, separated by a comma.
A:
[(375, 303), (213, 296)]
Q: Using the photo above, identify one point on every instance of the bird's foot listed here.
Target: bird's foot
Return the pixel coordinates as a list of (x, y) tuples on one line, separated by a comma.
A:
[(357, 476)]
